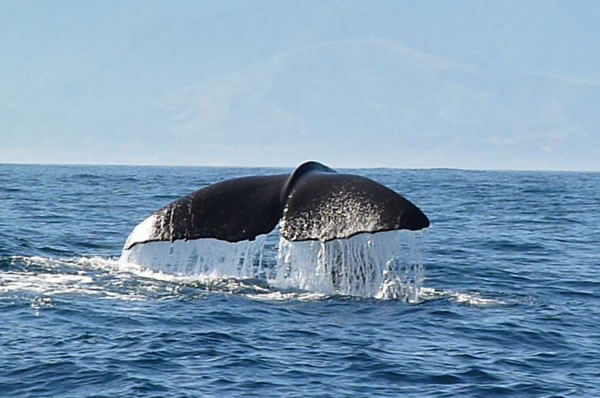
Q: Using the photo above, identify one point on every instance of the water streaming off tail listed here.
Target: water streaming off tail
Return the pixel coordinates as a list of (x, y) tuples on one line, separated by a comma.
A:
[(385, 265), (209, 257)]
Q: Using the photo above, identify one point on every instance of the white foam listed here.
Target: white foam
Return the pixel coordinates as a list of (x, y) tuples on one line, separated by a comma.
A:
[(473, 299), (47, 282), (287, 296)]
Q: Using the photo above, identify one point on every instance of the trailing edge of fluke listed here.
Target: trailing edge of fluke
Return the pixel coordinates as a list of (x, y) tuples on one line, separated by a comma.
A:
[(313, 202)]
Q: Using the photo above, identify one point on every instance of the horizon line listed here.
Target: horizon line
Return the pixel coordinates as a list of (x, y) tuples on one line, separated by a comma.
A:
[(91, 164)]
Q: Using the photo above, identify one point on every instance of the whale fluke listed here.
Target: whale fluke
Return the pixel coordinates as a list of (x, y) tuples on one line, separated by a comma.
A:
[(313, 202)]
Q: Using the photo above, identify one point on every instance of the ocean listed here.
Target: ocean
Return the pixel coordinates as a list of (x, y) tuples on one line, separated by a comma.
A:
[(507, 304)]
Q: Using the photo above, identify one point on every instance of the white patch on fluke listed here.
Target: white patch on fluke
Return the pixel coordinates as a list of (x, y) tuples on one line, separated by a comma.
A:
[(143, 232)]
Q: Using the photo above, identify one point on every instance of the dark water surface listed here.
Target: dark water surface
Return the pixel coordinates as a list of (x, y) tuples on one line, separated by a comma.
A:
[(510, 304)]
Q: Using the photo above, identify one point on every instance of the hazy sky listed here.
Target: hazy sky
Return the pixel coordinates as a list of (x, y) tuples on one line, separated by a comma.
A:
[(469, 84)]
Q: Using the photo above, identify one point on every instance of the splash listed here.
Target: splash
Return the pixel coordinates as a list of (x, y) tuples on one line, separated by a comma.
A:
[(384, 265)]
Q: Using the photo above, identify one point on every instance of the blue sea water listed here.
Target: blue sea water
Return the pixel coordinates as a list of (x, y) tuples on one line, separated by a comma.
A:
[(510, 305)]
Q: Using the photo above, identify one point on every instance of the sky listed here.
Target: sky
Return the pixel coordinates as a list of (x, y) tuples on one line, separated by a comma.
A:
[(407, 84)]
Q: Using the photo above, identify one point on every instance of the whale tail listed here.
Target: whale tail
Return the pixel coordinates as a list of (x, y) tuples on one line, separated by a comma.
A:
[(313, 202)]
